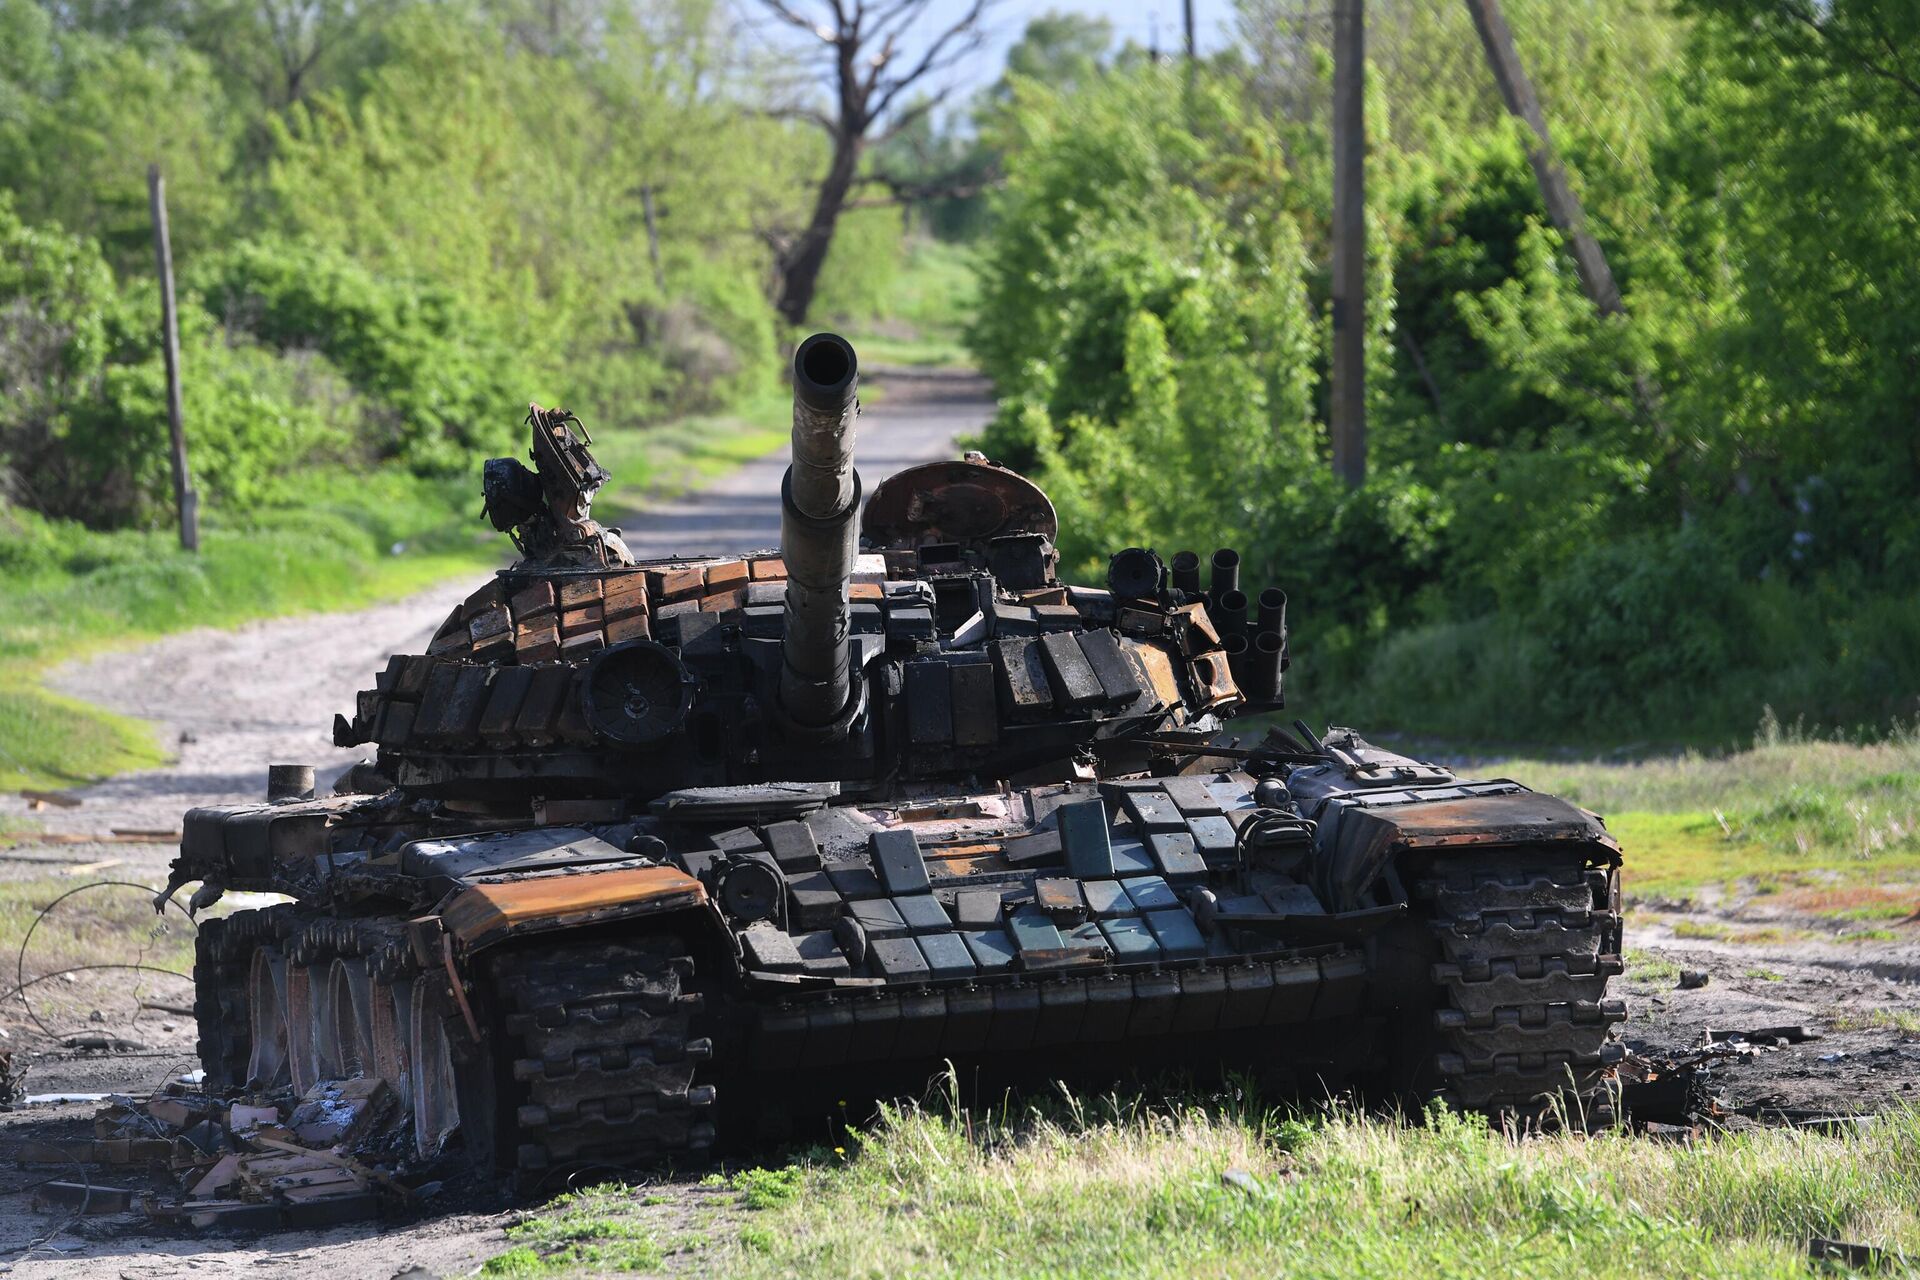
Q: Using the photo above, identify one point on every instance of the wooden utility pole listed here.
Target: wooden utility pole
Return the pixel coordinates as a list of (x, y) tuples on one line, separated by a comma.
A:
[(1349, 406), (185, 499), (1596, 277), (1186, 9)]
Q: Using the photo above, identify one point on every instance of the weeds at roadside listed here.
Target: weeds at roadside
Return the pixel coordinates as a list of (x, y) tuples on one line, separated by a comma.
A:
[(767, 1188), (586, 1229), (358, 539), (1750, 935), (1791, 813), (1905, 1021), (1869, 935), (937, 1191), (1129, 1188), (1644, 967)]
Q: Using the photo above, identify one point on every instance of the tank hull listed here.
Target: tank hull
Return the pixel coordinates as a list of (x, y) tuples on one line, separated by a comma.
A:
[(648, 852), (1457, 936)]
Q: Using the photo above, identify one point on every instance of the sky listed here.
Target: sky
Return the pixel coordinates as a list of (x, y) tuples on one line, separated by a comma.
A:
[(1135, 20)]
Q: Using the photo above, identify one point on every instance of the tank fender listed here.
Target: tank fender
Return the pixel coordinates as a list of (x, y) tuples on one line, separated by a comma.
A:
[(1369, 828), (485, 915), (255, 847)]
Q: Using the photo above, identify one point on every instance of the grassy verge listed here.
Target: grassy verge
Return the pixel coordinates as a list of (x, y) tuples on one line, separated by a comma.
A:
[(1117, 1189), (915, 353), (927, 307), (1832, 828), (104, 961), (355, 540)]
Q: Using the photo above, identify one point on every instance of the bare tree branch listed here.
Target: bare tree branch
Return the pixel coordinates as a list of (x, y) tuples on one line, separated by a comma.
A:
[(883, 17), (793, 18), (903, 191), (913, 114), (809, 115), (938, 55), (862, 42)]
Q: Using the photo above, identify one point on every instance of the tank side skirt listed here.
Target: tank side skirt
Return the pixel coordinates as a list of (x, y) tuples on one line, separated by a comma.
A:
[(995, 1015)]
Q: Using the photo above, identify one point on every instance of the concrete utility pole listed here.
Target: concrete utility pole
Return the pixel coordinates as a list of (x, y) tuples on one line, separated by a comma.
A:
[(1596, 277), (1349, 408), (186, 501)]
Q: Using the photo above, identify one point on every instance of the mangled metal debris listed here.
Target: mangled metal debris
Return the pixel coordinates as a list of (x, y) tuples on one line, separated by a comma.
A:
[(338, 1154), (1674, 1094)]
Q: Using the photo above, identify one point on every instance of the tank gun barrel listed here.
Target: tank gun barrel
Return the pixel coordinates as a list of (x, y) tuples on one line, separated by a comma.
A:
[(819, 532)]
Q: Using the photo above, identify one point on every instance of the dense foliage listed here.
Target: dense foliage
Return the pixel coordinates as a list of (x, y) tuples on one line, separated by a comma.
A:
[(393, 226), (396, 223), (1654, 523)]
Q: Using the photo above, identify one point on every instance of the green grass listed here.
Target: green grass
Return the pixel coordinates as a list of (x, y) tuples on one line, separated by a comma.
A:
[(928, 303), (1654, 970), (767, 1188), (583, 1230), (1869, 935), (1788, 812), (357, 539), (1115, 1188), (105, 924), (916, 353), (1752, 935), (1901, 1020), (95, 924)]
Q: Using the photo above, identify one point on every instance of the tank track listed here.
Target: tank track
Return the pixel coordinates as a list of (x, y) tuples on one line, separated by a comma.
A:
[(603, 1053), (1528, 940), (222, 955)]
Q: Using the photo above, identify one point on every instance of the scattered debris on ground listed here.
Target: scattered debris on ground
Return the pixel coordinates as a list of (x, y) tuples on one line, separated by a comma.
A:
[(342, 1153), (1676, 1096), (38, 800)]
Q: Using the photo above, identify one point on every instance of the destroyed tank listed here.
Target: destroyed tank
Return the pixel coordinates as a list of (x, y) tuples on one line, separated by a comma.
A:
[(650, 851)]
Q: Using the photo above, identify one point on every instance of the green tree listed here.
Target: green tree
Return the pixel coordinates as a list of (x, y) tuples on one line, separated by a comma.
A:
[(85, 114)]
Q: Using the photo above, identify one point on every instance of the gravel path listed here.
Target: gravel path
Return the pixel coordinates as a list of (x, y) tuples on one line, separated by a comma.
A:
[(230, 702)]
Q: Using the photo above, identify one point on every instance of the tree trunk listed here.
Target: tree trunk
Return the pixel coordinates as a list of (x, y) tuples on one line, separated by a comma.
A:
[(800, 273)]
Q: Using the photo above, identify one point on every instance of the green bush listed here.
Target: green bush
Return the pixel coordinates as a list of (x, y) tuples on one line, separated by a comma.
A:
[(441, 384), (1637, 615), (1605, 525), (1146, 308), (85, 436)]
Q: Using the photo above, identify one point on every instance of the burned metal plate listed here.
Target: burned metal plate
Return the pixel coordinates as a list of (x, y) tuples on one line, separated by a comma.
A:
[(965, 502), (541, 849)]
